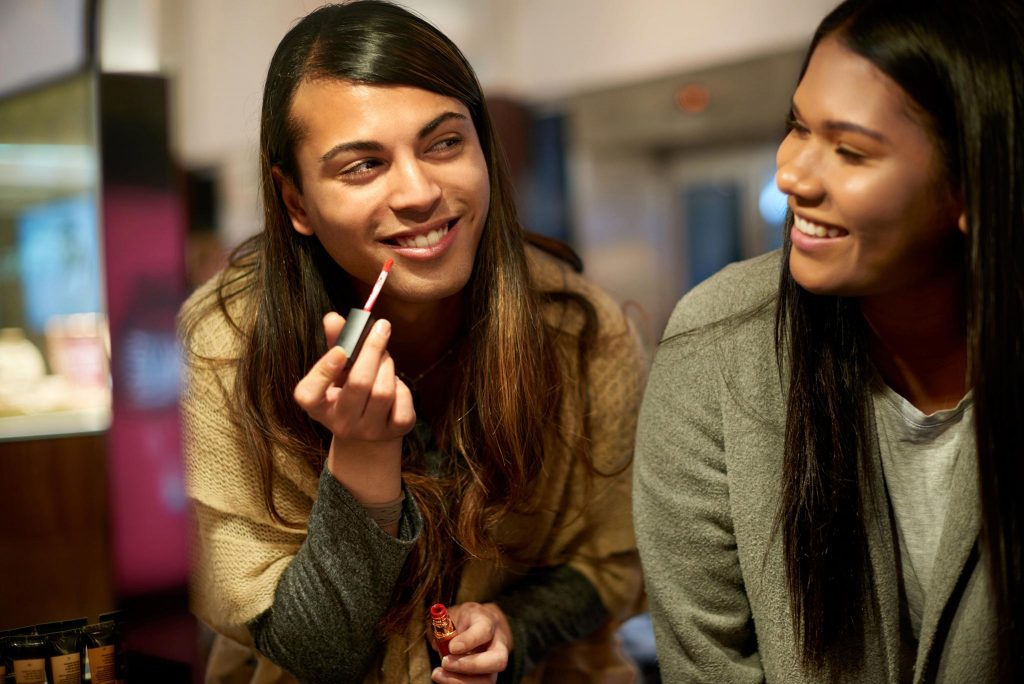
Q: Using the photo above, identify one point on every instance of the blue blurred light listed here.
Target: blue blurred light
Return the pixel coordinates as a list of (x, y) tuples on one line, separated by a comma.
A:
[(773, 203)]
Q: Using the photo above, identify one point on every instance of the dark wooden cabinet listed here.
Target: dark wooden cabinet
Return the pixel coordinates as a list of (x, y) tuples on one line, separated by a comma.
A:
[(55, 547)]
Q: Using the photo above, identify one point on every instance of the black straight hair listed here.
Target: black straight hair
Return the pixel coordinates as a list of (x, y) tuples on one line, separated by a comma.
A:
[(962, 68)]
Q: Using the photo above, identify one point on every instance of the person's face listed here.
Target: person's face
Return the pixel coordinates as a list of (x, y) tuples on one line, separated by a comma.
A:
[(389, 172), (873, 212)]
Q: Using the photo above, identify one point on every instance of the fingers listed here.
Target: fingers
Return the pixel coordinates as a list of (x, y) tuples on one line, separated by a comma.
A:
[(382, 394), (366, 402), (478, 625), (482, 645), (491, 661), (477, 633), (355, 395), (403, 413), (442, 676), (311, 391), (333, 323)]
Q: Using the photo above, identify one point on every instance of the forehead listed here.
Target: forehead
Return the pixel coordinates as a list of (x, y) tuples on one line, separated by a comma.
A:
[(329, 111), (839, 84)]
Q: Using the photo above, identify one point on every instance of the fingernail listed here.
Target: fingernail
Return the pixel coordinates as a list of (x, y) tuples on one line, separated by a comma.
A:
[(383, 328), (435, 673), (335, 357), (445, 661)]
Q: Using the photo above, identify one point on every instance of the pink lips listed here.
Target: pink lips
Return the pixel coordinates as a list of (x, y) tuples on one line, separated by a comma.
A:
[(431, 252), (810, 243), (805, 241)]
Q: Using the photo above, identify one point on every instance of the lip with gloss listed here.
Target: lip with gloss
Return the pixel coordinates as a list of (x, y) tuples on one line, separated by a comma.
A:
[(426, 245)]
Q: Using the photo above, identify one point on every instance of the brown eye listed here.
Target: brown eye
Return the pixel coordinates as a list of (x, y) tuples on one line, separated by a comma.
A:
[(794, 126), (361, 169), (447, 144), (849, 155)]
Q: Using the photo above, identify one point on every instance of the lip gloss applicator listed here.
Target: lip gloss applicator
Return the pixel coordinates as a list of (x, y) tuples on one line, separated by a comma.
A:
[(359, 321)]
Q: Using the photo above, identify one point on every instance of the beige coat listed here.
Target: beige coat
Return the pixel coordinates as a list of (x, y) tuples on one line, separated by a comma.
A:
[(708, 468), (240, 553)]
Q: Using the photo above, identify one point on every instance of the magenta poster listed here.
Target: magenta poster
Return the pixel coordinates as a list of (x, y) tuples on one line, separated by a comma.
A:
[(143, 236)]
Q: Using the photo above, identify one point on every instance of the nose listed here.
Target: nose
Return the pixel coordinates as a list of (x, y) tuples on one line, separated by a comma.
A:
[(414, 188), (798, 174)]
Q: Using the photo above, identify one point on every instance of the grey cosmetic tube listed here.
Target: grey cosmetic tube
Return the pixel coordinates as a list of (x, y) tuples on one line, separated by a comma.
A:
[(357, 327)]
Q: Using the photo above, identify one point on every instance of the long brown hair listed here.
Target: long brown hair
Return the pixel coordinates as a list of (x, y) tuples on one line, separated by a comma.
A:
[(506, 392), (962, 67)]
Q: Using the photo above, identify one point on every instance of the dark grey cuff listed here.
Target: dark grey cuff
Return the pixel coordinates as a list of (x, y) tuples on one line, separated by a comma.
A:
[(548, 608), (322, 624), (337, 498)]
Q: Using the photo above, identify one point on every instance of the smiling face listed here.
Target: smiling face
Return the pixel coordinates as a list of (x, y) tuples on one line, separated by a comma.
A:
[(389, 172), (873, 212)]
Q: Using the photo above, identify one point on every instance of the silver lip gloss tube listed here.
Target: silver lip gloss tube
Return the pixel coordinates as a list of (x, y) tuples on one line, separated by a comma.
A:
[(353, 334)]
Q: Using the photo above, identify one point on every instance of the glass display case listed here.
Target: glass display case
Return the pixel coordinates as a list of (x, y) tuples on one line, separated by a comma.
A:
[(54, 339)]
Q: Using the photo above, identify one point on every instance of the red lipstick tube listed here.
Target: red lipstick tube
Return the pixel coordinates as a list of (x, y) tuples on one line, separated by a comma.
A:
[(442, 628)]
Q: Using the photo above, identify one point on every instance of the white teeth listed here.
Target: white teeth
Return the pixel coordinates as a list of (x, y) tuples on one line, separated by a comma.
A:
[(428, 240), (814, 230)]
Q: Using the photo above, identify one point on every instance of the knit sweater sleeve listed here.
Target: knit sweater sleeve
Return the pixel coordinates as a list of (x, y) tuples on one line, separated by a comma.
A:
[(551, 607), (702, 619), (321, 625), (308, 593)]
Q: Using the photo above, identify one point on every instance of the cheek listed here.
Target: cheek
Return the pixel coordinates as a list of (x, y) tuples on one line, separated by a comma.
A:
[(484, 195), (347, 210), (878, 200), (477, 185)]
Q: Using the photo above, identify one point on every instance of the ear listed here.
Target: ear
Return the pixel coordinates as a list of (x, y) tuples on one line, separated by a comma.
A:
[(293, 202), (962, 222)]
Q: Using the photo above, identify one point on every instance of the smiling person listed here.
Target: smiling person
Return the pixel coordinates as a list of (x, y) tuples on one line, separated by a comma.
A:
[(476, 453), (831, 444)]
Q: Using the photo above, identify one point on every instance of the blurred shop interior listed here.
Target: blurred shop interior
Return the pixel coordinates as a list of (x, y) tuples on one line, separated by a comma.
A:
[(641, 133)]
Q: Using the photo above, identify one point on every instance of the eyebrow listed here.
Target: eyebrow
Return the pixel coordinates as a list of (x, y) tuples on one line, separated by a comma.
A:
[(847, 126), (373, 146)]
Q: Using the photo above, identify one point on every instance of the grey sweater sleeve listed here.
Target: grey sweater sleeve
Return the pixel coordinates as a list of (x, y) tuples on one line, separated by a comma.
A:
[(550, 607), (322, 624), (702, 620)]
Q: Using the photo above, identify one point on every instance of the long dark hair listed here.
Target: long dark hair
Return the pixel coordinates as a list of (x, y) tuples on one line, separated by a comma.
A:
[(962, 67), (505, 393)]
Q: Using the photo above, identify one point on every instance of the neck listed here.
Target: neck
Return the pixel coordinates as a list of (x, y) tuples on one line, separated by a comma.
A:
[(918, 341), (422, 332)]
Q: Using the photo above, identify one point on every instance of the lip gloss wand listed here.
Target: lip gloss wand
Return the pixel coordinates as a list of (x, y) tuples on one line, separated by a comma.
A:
[(359, 321)]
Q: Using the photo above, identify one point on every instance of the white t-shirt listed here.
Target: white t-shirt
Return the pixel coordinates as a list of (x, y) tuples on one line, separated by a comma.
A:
[(919, 453)]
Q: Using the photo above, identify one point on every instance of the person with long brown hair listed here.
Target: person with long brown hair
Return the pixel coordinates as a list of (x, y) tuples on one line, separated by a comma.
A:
[(832, 439), (478, 450)]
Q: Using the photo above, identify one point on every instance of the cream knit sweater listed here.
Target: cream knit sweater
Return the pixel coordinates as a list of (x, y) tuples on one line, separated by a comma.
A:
[(240, 553)]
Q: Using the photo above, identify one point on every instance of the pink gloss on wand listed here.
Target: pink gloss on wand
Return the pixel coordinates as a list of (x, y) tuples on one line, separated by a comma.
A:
[(359, 321), (379, 284)]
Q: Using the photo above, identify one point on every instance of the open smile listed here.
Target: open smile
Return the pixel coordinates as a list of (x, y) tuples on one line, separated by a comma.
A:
[(427, 242), (817, 230)]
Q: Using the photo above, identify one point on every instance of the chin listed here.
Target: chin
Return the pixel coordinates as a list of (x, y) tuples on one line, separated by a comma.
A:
[(816, 282)]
